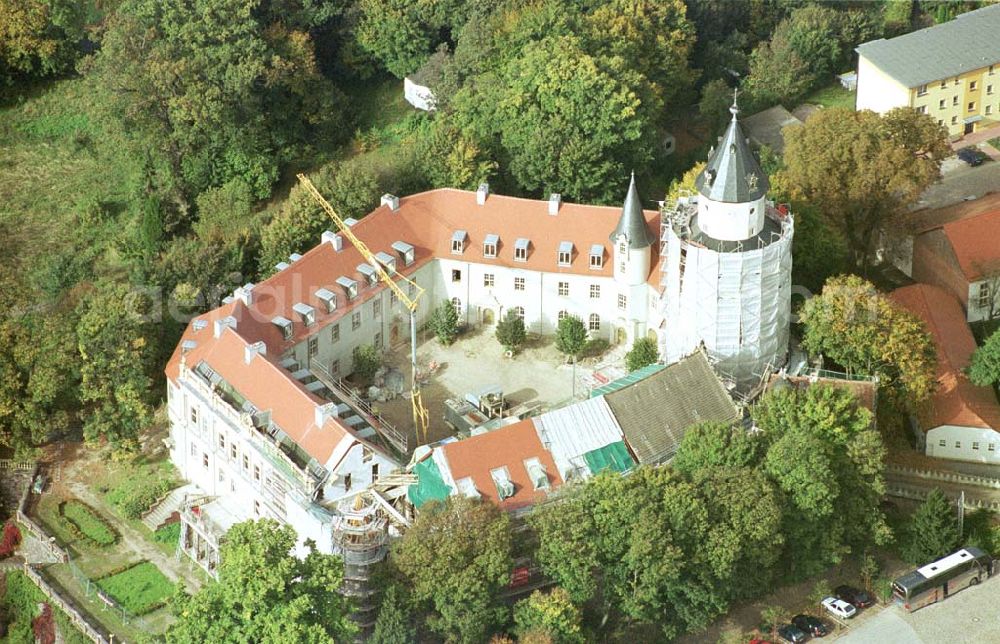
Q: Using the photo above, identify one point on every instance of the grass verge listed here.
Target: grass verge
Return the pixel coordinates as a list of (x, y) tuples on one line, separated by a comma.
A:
[(832, 96), (91, 525)]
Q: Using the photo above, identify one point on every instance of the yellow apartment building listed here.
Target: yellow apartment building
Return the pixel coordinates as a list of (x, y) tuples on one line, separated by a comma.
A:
[(950, 71)]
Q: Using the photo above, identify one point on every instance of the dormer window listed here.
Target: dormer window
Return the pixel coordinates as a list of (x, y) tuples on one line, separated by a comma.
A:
[(501, 478), (536, 472), (285, 325), (597, 256), (306, 312), (458, 242), (405, 251), (350, 287), (565, 253), (387, 261), (328, 298), (490, 246), (521, 250), (370, 274)]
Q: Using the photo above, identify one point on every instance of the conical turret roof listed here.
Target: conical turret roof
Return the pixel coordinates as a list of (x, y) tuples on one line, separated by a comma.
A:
[(732, 174), (632, 223)]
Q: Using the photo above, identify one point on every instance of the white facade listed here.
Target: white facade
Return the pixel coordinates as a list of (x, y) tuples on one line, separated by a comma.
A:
[(975, 444), (878, 91), (984, 301), (419, 96)]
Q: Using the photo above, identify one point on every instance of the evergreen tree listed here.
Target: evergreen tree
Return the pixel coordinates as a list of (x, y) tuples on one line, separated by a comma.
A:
[(985, 367), (394, 624), (932, 531), (444, 322)]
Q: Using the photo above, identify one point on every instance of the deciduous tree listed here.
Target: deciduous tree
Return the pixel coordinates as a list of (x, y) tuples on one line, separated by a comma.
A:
[(510, 331), (265, 593), (38, 37), (644, 352), (860, 329), (552, 614), (716, 445), (863, 170), (571, 336), (457, 558)]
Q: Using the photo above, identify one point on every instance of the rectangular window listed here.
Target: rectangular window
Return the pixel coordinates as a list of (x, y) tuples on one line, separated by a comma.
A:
[(958, 444), (991, 447), (991, 69), (313, 346), (489, 250), (392, 297), (222, 442), (376, 308), (984, 296), (972, 106), (564, 258), (488, 280), (204, 460), (256, 508), (521, 254), (922, 90), (957, 81), (954, 120), (347, 482), (335, 332), (232, 451), (975, 445), (595, 291), (954, 100), (941, 104), (378, 340), (942, 443), (564, 289), (621, 267), (335, 367), (922, 109), (940, 121), (944, 84), (457, 245), (989, 109), (622, 302), (246, 462), (374, 472), (355, 320), (411, 289), (594, 322), (194, 416), (518, 283), (456, 275), (596, 260), (256, 472), (972, 86)]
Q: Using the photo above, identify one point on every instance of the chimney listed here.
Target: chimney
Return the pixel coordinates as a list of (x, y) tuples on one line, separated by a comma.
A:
[(244, 293), (554, 199), (390, 200), (323, 412), (251, 350), (484, 189), (229, 321)]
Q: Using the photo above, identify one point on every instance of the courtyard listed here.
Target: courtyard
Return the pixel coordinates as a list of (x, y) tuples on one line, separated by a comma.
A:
[(536, 379)]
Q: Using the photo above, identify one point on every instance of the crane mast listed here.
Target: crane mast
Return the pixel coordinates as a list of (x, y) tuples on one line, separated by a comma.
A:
[(420, 414)]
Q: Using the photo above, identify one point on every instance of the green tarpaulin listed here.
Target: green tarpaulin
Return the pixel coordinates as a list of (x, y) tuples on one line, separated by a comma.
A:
[(613, 457), (430, 486), (632, 378)]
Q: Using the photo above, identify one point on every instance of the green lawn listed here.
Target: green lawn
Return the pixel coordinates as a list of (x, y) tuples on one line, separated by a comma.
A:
[(134, 487), (89, 523), (169, 534), (832, 96), (139, 589), (995, 142)]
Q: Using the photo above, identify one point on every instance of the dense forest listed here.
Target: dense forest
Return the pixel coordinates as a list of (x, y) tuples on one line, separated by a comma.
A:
[(149, 147)]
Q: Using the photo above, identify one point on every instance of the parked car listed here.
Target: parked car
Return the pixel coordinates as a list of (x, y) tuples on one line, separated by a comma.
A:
[(839, 607), (792, 634), (852, 595), (812, 625), (39, 484), (973, 156)]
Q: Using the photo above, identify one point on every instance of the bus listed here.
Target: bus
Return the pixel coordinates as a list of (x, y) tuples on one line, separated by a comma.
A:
[(942, 578)]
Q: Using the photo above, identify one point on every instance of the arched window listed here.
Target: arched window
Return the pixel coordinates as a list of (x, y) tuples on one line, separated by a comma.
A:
[(518, 311), (563, 315), (457, 304), (594, 322)]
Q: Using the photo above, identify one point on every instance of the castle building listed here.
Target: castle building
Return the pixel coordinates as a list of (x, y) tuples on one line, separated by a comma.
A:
[(726, 259)]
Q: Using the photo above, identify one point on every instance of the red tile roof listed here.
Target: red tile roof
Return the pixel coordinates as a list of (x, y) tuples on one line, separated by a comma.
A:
[(427, 222), (476, 456), (957, 401), (976, 242)]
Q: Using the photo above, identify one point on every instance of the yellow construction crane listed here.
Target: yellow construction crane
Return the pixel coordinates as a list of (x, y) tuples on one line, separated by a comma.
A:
[(420, 414)]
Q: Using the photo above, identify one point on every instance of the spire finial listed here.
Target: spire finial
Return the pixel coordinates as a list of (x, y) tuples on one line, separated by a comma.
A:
[(735, 109)]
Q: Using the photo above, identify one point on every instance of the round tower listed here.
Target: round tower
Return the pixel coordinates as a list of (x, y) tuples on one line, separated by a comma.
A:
[(726, 259), (631, 241)]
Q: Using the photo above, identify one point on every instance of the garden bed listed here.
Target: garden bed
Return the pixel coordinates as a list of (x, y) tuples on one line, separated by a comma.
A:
[(140, 588), (87, 523)]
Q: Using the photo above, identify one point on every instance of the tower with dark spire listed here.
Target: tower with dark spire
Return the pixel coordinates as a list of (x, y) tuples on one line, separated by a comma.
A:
[(726, 258), (632, 248)]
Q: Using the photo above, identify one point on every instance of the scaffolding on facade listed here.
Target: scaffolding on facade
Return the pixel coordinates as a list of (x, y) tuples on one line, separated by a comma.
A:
[(360, 533)]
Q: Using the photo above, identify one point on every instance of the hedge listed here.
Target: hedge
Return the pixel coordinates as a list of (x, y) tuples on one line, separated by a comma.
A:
[(86, 523)]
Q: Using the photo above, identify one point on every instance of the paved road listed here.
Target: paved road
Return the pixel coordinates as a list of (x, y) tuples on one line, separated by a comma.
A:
[(959, 182), (970, 617)]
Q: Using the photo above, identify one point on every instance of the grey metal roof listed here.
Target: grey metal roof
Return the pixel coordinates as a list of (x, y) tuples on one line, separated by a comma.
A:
[(655, 412), (732, 174), (492, 239), (968, 42), (402, 247), (597, 249), (522, 242), (565, 247), (459, 236), (632, 223)]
